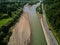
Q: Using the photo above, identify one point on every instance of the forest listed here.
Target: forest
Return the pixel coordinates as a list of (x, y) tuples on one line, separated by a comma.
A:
[(52, 10)]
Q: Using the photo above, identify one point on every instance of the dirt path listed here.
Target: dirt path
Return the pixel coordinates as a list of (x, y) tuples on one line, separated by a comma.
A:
[(21, 32)]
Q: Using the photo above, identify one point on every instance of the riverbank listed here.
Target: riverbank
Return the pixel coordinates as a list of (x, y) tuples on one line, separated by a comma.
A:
[(50, 39), (21, 32), (22, 29), (44, 30)]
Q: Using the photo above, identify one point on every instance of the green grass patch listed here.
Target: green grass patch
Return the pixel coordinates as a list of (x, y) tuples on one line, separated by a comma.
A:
[(4, 21)]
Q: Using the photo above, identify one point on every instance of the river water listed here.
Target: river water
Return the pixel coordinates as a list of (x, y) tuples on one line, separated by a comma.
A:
[(37, 35)]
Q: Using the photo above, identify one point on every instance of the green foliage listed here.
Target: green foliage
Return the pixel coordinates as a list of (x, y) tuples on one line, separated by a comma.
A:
[(39, 9), (33, 2), (7, 22), (9, 13), (52, 8), (5, 32)]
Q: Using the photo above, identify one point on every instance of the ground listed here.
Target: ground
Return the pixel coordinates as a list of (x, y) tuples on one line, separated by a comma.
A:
[(21, 32)]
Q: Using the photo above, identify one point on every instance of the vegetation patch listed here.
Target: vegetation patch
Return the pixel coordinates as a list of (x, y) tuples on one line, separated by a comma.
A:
[(9, 15), (52, 9)]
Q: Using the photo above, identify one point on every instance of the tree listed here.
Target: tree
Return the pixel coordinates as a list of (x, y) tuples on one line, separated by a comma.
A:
[(9, 13)]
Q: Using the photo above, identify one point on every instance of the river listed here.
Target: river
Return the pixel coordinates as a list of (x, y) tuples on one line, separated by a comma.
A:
[(37, 35)]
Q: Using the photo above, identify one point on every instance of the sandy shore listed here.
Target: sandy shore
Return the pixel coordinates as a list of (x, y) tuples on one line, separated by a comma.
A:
[(21, 32)]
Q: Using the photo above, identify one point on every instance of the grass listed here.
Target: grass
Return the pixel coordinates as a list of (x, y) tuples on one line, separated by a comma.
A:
[(4, 21)]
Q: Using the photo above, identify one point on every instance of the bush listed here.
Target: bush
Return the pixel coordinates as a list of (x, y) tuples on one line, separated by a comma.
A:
[(9, 13)]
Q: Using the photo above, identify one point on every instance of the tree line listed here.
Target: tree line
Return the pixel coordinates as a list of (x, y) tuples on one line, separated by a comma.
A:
[(52, 9), (5, 30)]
